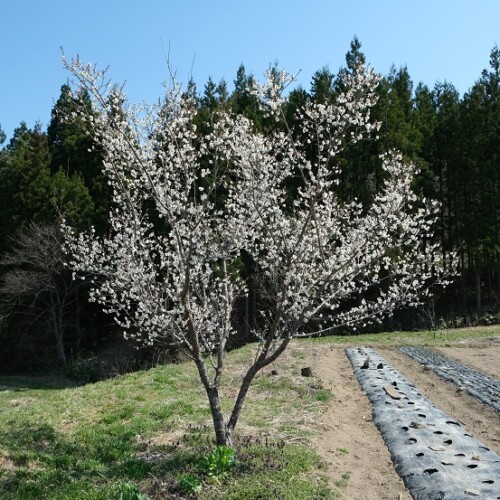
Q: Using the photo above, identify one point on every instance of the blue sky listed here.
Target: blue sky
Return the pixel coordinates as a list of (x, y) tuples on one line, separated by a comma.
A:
[(437, 39)]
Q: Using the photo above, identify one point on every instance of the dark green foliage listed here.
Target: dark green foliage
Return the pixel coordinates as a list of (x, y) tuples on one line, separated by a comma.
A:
[(242, 101), (24, 181), (31, 192), (74, 152), (322, 90), (355, 57)]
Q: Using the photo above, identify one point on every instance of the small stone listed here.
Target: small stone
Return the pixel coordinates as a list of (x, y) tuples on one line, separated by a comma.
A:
[(417, 425), (274, 372), (306, 372), (476, 457), (391, 392), (474, 493)]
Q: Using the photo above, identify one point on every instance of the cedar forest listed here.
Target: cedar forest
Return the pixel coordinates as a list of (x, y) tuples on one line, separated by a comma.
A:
[(45, 318)]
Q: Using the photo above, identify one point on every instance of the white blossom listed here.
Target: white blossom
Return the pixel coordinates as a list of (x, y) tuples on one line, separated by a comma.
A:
[(323, 263)]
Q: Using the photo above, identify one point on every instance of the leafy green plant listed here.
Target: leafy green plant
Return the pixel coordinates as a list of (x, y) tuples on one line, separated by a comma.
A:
[(323, 395), (219, 462), (190, 483), (130, 492)]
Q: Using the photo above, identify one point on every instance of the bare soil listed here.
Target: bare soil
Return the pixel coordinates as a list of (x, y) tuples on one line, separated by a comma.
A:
[(483, 356), (359, 463)]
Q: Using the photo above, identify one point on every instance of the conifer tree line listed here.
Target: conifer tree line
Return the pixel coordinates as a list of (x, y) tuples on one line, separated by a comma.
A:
[(54, 172)]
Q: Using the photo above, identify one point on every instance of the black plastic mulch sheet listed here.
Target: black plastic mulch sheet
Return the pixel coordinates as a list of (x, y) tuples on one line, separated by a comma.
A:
[(433, 454), (479, 385)]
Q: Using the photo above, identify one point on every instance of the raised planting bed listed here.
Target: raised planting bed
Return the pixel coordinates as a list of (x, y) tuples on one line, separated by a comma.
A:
[(432, 453), (477, 384)]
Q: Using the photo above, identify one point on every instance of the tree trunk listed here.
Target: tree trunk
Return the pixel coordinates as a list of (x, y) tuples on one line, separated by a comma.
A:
[(477, 286), (462, 280), (222, 436), (247, 319), (489, 284), (58, 330), (245, 385)]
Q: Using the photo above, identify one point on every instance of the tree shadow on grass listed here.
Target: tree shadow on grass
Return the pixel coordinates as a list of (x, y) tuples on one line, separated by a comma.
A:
[(38, 461), (21, 384)]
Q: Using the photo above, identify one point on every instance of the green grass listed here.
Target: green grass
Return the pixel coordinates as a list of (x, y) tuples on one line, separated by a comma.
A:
[(148, 431), (427, 338)]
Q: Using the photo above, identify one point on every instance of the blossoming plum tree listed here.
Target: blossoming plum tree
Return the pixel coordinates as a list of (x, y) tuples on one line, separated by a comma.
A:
[(187, 205)]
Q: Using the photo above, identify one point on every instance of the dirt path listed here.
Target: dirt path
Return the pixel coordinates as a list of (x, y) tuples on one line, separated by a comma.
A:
[(359, 463)]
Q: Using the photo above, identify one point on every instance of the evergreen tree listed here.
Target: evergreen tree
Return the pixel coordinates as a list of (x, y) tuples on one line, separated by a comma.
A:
[(73, 151), (446, 161), (480, 178), (222, 92), (29, 192), (24, 180), (397, 126), (361, 167), (424, 128), (322, 90), (210, 98), (242, 101), (355, 57)]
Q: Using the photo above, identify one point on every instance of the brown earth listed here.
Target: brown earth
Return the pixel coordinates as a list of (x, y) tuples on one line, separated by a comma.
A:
[(359, 463)]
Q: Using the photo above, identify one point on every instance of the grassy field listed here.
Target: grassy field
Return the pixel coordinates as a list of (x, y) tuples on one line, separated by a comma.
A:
[(150, 432), (426, 338)]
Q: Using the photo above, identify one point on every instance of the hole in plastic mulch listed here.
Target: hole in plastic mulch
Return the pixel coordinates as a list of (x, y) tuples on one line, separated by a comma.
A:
[(428, 472)]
